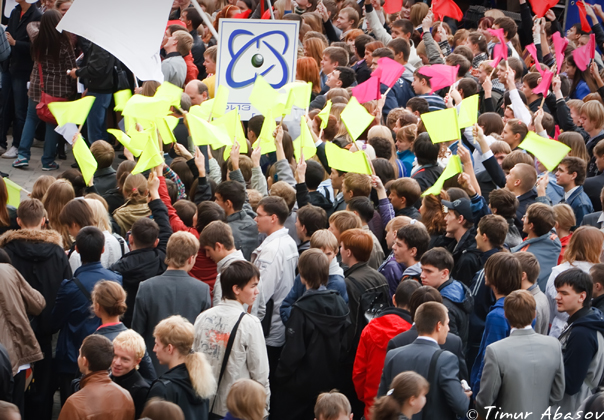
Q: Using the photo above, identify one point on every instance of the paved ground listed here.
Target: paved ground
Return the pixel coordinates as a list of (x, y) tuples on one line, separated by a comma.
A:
[(26, 177)]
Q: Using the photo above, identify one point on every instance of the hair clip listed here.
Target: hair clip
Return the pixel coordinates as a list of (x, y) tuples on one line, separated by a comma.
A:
[(134, 189), (390, 391)]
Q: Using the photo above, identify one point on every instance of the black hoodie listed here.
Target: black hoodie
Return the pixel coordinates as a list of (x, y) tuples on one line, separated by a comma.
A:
[(175, 386)]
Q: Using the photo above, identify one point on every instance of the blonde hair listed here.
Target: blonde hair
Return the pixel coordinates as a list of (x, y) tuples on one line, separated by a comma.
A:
[(323, 238), (179, 332), (110, 296), (181, 246), (408, 133), (379, 131), (246, 400), (330, 405), (585, 245), (397, 223), (131, 341), (41, 185), (135, 188), (100, 215), (565, 216)]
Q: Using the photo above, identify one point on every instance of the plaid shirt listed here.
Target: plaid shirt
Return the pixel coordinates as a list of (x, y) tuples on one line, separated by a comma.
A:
[(479, 58)]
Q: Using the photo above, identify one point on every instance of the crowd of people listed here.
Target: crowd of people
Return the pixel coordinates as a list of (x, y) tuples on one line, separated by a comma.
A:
[(223, 284)]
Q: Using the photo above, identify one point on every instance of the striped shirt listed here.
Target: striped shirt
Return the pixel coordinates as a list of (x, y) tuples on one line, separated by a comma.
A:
[(435, 102)]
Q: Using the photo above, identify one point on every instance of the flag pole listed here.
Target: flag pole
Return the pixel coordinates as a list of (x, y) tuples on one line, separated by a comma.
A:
[(205, 18)]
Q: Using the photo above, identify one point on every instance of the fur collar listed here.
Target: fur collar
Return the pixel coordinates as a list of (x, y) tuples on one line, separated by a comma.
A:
[(26, 235)]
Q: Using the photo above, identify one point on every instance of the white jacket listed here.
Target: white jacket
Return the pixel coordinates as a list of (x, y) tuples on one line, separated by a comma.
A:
[(111, 254), (248, 358), (220, 267), (277, 259)]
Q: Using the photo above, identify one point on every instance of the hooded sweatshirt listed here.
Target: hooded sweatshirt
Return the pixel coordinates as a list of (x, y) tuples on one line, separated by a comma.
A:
[(459, 301)]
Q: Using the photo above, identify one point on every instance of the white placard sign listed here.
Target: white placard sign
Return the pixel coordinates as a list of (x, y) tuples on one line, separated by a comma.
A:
[(248, 48)]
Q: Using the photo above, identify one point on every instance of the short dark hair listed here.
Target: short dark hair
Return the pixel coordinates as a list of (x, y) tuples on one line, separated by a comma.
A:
[(520, 308), (505, 202), (404, 291), (314, 174), (347, 76), (405, 24), (90, 242), (504, 272), (313, 218), (418, 104), (597, 273), (400, 46), (542, 216), (382, 147), (461, 61), (76, 211), (31, 212), (186, 210), (194, 16), (233, 191), (575, 165), (495, 227), (360, 42), (238, 273), (255, 124), (415, 236), (425, 151), (363, 206), (407, 188), (313, 267), (144, 232), (382, 52), (337, 54), (530, 265), (428, 315), (98, 350), (438, 257), (207, 212), (508, 25), (469, 86), (217, 231), (422, 295), (275, 205), (580, 282)]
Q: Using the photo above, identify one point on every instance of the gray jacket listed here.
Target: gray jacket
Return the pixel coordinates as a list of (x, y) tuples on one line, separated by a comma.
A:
[(245, 232), (172, 293), (529, 383), (449, 400)]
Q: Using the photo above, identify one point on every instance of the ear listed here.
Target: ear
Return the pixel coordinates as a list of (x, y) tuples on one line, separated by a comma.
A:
[(394, 301), (155, 243), (103, 251), (76, 249), (19, 222)]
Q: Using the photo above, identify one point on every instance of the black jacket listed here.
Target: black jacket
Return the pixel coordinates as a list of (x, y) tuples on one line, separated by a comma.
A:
[(427, 175), (105, 180), (142, 264), (146, 366), (362, 71), (409, 211), (593, 187), (459, 301), (315, 198), (175, 386), (466, 257), (39, 256), (20, 62), (197, 51), (598, 303), (136, 385), (453, 344), (114, 199), (96, 71)]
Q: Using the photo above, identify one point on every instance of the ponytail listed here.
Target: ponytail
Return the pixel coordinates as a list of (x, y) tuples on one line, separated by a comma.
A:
[(386, 408), (404, 386), (200, 373)]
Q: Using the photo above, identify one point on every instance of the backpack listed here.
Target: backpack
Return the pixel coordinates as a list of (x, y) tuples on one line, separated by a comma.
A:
[(372, 301)]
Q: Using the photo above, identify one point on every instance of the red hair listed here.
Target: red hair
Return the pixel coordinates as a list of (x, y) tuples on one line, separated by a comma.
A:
[(308, 71)]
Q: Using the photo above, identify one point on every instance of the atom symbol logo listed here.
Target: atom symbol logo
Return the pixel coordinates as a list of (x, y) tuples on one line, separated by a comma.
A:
[(257, 60)]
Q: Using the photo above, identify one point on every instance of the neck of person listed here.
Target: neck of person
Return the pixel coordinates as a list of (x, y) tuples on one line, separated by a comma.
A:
[(515, 144), (170, 50), (90, 262), (410, 262), (532, 98), (274, 229), (532, 235), (176, 360), (351, 261), (185, 268), (230, 211), (525, 285), (569, 186), (459, 233), (107, 319), (574, 312), (25, 7), (433, 335), (594, 132), (497, 294)]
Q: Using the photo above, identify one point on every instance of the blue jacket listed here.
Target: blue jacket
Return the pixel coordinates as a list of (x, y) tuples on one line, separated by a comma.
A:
[(72, 314), (393, 271), (546, 249), (407, 157), (496, 328), (580, 203), (335, 282)]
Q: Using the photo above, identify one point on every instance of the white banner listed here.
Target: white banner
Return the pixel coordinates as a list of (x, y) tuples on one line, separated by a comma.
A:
[(130, 30), (248, 48)]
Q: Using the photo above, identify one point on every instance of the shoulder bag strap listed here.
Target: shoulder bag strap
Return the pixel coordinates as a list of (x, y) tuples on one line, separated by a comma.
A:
[(82, 288), (432, 381), (227, 353)]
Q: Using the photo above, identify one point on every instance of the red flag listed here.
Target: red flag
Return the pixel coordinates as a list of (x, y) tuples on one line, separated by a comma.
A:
[(442, 8), (393, 6), (368, 90), (441, 75), (389, 71), (540, 7), (557, 132), (560, 44), (583, 55), (585, 26), (545, 83), (533, 52)]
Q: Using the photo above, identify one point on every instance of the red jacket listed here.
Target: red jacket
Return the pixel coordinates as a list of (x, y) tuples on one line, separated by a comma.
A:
[(564, 241), (371, 353)]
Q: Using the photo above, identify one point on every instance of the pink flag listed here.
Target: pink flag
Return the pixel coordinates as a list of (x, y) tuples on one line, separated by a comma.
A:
[(500, 52), (583, 55), (497, 33), (533, 52), (390, 71), (560, 44), (557, 132), (441, 75), (368, 90), (545, 83), (393, 6)]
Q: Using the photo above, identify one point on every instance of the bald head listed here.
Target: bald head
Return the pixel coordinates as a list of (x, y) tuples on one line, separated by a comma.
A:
[(522, 178), (197, 91)]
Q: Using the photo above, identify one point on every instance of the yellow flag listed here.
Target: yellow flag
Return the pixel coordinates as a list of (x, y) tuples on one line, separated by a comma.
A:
[(167, 136), (170, 93), (74, 112), (14, 193), (299, 94), (86, 161), (150, 158), (324, 114), (232, 124), (204, 133), (221, 100), (266, 141), (124, 140), (138, 139), (146, 108), (356, 118), (453, 168), (282, 106), (345, 161), (204, 110), (121, 98), (171, 121), (549, 152), (468, 112), (263, 96), (304, 143), (442, 125)]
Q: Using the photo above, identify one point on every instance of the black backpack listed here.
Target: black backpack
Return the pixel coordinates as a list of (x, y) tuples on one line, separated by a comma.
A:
[(372, 301)]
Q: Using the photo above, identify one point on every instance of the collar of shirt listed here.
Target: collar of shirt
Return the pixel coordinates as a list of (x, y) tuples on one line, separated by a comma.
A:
[(569, 193), (601, 218), (528, 327), (173, 54), (423, 337)]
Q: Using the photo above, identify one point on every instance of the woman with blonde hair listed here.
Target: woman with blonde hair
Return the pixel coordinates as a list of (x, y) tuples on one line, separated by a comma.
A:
[(246, 401), (583, 251), (57, 196), (576, 143), (418, 12), (42, 185), (136, 193), (189, 382)]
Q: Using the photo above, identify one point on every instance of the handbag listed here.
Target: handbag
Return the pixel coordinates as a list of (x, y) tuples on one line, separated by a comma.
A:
[(42, 108), (120, 78)]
